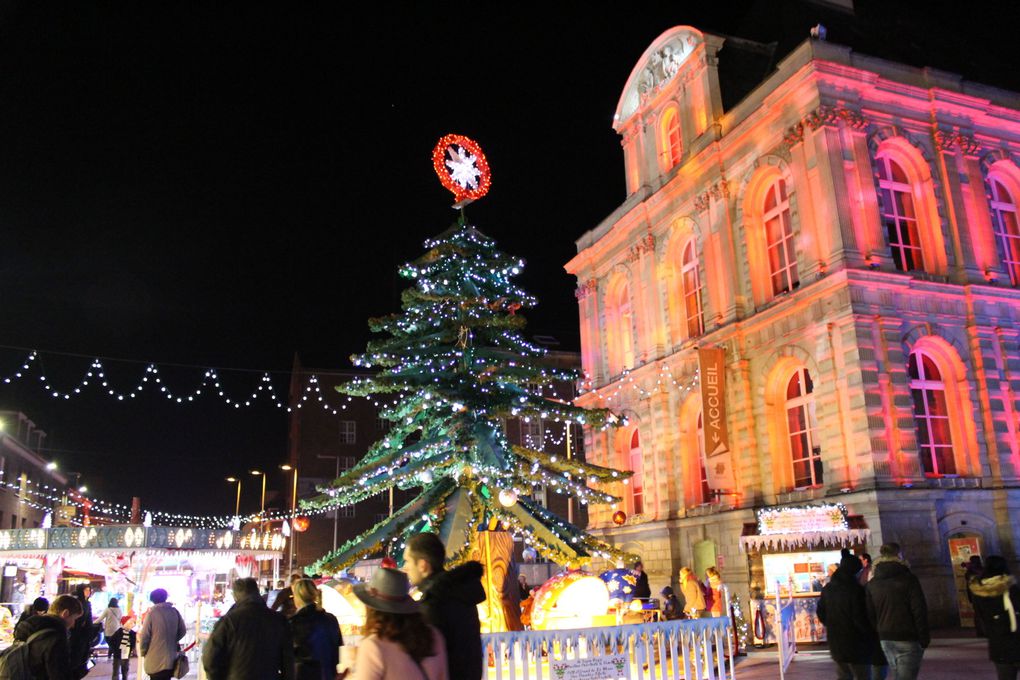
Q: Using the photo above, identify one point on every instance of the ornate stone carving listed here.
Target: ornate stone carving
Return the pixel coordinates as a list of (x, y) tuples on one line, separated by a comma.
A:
[(662, 66), (720, 190), (794, 135), (701, 202), (946, 140), (585, 289), (831, 115)]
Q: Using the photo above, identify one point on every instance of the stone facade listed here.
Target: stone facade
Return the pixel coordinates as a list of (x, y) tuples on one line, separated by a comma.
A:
[(804, 163)]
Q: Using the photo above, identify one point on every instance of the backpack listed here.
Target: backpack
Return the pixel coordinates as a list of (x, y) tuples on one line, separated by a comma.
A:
[(14, 660)]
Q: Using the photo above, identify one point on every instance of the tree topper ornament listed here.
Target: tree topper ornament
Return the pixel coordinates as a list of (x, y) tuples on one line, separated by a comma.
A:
[(462, 168)]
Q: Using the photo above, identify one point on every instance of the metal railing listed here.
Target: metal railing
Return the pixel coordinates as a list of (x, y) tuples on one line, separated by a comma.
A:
[(691, 649)]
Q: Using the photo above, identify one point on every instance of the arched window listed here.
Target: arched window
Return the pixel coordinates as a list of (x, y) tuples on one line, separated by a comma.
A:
[(672, 146), (931, 416), (706, 490), (620, 322), (782, 257), (637, 492), (691, 283), (1007, 232), (802, 425), (899, 216)]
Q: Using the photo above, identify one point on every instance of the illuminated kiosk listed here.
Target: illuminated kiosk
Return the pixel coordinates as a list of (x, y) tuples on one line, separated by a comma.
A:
[(127, 561), (794, 549)]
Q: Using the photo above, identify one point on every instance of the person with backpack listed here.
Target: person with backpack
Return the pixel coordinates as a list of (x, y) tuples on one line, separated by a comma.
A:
[(40, 650)]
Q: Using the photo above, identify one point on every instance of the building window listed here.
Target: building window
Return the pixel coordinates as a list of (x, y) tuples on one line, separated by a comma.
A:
[(383, 425), (346, 462), (620, 329), (782, 256), (672, 145), (691, 282), (802, 425), (637, 491), (706, 490), (931, 416), (531, 433), (538, 493), (1007, 233), (345, 511), (348, 431), (898, 215)]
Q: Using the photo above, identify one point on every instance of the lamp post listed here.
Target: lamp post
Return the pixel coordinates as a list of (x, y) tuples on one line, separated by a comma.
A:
[(237, 504), (262, 507), (293, 513), (336, 512)]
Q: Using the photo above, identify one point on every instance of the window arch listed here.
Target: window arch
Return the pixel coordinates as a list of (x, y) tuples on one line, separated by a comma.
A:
[(672, 143), (635, 460), (899, 216), (620, 327), (779, 246), (690, 286), (908, 209), (802, 428), (1004, 224), (931, 415)]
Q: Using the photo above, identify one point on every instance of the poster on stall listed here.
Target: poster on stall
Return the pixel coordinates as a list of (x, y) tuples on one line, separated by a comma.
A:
[(961, 549), (719, 460), (591, 668)]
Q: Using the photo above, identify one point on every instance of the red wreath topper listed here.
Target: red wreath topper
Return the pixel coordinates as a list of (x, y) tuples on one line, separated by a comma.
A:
[(462, 168)]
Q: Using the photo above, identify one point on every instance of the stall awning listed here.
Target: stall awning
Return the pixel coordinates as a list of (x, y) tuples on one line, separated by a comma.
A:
[(857, 531)]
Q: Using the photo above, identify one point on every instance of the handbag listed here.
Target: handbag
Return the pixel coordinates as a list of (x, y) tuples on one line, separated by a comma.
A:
[(181, 665)]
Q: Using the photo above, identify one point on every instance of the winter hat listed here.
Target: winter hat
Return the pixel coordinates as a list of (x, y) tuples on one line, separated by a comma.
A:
[(125, 619), (667, 591), (387, 592), (850, 562)]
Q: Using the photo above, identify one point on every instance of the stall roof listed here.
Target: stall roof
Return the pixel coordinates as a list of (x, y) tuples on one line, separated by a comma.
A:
[(857, 531)]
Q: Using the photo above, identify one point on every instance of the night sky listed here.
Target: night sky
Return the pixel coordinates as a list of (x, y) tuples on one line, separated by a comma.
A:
[(225, 184)]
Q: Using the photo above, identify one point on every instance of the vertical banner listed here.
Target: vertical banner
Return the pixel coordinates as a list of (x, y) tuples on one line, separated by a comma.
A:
[(719, 461)]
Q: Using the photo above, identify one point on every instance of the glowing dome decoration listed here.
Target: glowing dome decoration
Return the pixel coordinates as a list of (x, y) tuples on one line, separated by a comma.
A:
[(569, 600), (339, 600), (621, 583)]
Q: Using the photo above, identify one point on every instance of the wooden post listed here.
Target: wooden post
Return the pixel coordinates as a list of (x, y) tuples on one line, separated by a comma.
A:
[(502, 608)]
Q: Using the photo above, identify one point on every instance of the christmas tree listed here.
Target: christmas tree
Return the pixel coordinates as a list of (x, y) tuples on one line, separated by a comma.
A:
[(457, 362)]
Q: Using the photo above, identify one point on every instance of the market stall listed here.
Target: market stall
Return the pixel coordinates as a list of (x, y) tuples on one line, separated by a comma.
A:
[(793, 550)]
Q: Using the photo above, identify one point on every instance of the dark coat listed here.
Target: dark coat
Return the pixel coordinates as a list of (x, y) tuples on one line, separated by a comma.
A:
[(83, 634), (987, 596), (896, 605), (450, 602), (249, 643), (113, 642), (842, 609), (317, 643), (641, 589), (48, 655)]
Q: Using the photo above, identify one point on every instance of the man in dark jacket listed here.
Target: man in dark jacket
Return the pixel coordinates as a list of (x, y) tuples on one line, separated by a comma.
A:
[(449, 602), (48, 653), (284, 602), (898, 612), (83, 634), (250, 642), (841, 608)]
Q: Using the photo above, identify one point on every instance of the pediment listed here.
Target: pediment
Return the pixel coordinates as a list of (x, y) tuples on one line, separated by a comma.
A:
[(658, 66)]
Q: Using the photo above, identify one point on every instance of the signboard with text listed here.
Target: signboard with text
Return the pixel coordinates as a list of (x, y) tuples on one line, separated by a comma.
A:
[(802, 520), (592, 668), (719, 460)]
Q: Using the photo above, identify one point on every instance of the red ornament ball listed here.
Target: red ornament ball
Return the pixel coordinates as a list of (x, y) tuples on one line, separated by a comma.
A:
[(619, 517), (301, 523)]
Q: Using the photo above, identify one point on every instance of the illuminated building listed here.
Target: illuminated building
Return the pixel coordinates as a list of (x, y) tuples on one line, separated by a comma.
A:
[(847, 234)]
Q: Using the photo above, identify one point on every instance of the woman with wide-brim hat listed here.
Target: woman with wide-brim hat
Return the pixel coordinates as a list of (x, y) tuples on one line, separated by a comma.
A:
[(399, 644)]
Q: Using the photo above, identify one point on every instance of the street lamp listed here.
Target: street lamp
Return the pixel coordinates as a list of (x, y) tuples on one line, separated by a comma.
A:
[(293, 513), (262, 508), (237, 505)]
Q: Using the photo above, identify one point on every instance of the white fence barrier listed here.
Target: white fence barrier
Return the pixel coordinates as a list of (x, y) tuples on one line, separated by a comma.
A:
[(692, 649)]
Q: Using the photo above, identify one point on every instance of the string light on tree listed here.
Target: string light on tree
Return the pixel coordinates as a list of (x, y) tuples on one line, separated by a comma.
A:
[(456, 363)]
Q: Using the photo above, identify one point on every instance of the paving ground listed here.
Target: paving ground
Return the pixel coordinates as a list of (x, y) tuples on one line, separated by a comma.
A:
[(953, 655)]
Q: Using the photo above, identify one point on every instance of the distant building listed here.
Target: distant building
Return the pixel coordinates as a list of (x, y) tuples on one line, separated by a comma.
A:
[(28, 489), (845, 232)]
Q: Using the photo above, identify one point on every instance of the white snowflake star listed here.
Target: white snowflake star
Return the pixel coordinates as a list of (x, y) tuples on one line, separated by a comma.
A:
[(462, 167)]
